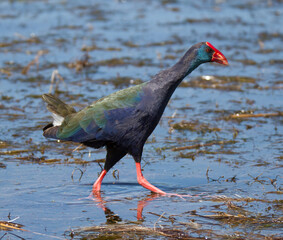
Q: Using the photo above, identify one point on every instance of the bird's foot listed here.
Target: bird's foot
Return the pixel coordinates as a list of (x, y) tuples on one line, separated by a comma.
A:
[(91, 196), (96, 197)]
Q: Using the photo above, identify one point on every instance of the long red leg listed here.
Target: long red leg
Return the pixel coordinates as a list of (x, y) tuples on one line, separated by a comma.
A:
[(142, 181), (97, 185)]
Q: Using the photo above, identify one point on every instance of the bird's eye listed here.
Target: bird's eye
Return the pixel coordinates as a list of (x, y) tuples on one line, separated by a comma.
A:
[(208, 50)]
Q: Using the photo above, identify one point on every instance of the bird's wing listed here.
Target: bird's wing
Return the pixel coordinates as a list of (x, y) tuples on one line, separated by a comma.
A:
[(90, 122)]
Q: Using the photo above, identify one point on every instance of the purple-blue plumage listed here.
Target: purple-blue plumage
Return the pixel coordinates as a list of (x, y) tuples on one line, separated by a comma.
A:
[(124, 120)]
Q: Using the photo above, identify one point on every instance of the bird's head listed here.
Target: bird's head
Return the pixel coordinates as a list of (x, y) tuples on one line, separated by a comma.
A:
[(207, 53)]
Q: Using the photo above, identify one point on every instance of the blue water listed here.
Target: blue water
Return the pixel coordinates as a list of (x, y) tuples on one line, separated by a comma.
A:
[(36, 182)]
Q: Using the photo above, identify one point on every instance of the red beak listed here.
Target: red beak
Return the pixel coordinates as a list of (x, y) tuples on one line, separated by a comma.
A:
[(217, 55)]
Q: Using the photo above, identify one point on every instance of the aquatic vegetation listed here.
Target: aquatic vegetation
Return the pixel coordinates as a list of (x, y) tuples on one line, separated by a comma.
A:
[(220, 139)]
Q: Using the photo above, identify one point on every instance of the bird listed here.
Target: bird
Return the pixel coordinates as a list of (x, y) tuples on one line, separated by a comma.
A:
[(122, 121)]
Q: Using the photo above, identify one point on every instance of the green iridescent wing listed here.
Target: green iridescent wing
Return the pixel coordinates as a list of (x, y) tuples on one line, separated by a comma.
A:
[(91, 121)]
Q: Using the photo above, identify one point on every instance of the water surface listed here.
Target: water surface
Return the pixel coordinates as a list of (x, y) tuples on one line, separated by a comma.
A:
[(231, 166)]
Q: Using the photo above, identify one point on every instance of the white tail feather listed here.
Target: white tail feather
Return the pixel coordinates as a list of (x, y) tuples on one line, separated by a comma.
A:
[(57, 119)]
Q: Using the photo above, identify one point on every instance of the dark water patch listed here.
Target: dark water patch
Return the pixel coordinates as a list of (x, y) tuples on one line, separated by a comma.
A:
[(130, 44), (124, 61), (266, 51), (33, 79), (164, 43), (71, 27), (265, 36), (194, 154), (6, 98), (4, 144), (225, 83), (14, 152), (217, 147), (175, 39), (227, 212), (5, 71), (35, 96), (245, 115), (130, 231), (95, 47), (22, 42), (202, 20), (97, 14), (195, 126), (8, 16), (99, 48), (276, 61), (81, 64), (119, 82), (12, 116), (170, 57), (247, 62), (200, 145)]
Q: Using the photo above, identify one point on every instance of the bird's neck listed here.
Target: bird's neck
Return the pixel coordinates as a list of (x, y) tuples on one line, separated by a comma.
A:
[(160, 89), (168, 80), (183, 68)]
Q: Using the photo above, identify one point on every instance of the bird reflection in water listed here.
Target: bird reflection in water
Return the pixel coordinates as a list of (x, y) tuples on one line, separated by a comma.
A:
[(111, 217)]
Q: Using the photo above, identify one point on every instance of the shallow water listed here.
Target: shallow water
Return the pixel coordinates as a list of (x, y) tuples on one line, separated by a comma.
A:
[(231, 166)]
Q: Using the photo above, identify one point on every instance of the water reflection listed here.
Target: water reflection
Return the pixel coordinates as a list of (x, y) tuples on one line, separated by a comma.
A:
[(112, 217)]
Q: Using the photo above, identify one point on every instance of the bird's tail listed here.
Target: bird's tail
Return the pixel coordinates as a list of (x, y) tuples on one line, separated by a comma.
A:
[(59, 111)]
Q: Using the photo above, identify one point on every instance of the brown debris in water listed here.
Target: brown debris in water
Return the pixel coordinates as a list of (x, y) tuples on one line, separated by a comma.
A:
[(8, 225), (194, 126), (237, 219), (56, 75), (14, 152), (199, 145), (127, 231), (254, 115), (35, 61), (120, 81), (124, 61), (227, 83), (79, 65), (5, 71)]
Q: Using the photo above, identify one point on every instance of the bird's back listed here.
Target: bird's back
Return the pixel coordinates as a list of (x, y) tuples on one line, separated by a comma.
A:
[(109, 119)]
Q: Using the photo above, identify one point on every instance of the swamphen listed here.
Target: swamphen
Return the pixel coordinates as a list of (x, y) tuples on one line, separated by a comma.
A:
[(124, 120)]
